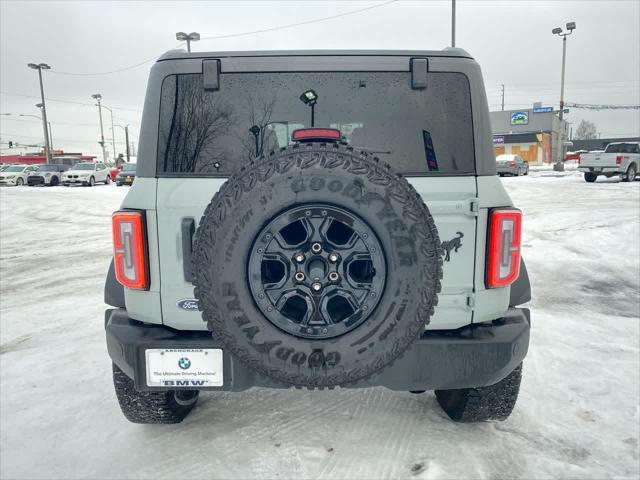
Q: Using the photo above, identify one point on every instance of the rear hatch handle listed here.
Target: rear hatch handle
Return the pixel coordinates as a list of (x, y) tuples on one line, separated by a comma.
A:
[(188, 228)]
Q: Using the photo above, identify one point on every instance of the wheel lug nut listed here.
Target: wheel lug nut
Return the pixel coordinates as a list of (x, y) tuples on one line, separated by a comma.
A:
[(333, 257), (299, 276), (316, 286), (316, 248), (334, 277), (299, 257)]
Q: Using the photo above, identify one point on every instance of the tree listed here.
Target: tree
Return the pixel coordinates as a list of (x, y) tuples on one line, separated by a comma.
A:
[(586, 130)]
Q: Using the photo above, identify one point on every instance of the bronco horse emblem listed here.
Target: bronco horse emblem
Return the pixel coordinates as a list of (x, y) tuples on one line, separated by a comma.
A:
[(454, 244)]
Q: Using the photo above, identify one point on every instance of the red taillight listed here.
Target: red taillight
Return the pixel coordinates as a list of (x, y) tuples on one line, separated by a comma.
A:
[(503, 261), (618, 159), (129, 249), (512, 164), (311, 134)]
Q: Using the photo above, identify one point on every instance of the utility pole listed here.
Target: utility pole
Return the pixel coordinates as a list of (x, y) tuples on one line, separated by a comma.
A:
[(47, 146), (50, 136), (571, 26), (98, 97), (453, 23), (126, 139), (502, 85)]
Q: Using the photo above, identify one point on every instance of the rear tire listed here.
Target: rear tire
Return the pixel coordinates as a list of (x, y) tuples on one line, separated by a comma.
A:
[(54, 181), (494, 402), (630, 176), (152, 407), (107, 180), (590, 177)]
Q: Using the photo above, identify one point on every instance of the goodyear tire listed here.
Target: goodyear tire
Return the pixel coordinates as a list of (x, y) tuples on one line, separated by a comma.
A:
[(336, 217)]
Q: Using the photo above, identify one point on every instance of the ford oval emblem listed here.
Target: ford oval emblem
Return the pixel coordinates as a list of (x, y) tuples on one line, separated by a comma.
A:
[(189, 304)]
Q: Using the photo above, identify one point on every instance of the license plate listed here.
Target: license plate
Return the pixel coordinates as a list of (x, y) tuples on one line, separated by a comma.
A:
[(184, 368), (597, 169)]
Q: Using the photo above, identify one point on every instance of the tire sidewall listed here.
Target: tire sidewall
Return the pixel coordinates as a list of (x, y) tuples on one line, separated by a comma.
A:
[(245, 205)]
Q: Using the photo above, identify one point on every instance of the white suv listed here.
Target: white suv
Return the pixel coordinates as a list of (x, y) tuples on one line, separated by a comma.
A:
[(16, 174), (87, 174)]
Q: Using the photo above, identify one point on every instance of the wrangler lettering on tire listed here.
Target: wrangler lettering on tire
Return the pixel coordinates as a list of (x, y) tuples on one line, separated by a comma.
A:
[(317, 265)]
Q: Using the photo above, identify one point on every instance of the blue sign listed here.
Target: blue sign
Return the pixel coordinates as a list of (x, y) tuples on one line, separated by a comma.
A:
[(542, 109), (519, 118)]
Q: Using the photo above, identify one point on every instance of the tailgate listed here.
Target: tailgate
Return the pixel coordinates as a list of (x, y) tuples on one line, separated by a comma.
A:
[(451, 200), (598, 160)]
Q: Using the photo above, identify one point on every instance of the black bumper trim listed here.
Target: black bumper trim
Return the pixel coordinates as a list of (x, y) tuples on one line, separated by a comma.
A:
[(473, 356)]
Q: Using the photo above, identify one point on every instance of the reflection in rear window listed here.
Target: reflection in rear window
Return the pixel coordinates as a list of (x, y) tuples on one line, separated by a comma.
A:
[(419, 132)]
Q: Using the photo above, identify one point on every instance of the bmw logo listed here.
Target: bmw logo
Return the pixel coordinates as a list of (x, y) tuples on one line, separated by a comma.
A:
[(184, 363)]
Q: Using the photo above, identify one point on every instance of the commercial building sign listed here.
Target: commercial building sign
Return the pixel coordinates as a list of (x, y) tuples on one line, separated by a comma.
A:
[(498, 139), (542, 109), (519, 118)]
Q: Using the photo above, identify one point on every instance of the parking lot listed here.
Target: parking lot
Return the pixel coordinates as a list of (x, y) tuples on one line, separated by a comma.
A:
[(577, 416)]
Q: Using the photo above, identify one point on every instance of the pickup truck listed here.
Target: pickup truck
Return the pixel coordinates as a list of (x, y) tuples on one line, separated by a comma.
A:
[(619, 158)]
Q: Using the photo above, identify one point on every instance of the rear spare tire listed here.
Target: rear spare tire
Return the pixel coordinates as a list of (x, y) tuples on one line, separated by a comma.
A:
[(317, 265)]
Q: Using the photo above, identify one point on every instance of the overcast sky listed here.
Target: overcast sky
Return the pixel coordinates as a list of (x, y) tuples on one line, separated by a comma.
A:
[(512, 41)]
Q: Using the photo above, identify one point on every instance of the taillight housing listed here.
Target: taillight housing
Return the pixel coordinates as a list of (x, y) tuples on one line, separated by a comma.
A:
[(316, 134), (503, 252), (130, 249), (512, 164), (618, 159)]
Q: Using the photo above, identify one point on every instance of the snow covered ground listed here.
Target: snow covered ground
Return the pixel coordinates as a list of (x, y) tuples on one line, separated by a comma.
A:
[(578, 415)]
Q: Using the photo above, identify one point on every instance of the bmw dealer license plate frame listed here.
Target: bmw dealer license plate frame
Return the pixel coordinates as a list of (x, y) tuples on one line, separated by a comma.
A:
[(184, 368)]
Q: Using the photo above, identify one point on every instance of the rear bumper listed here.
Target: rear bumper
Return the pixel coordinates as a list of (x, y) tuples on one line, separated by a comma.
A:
[(601, 169), (507, 170), (472, 356)]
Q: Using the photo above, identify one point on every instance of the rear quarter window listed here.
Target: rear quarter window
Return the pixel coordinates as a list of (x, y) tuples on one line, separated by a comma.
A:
[(213, 133)]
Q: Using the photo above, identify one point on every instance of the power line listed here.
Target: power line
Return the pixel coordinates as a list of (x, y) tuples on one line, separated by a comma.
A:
[(69, 101), (592, 106), (234, 35), (53, 123), (11, 135)]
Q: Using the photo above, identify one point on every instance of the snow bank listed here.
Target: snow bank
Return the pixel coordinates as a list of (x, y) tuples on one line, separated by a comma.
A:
[(577, 416)]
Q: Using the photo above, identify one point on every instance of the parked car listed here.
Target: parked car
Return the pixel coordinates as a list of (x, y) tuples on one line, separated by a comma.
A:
[(618, 158), (511, 165), (16, 174), (87, 174), (49, 174), (113, 171), (127, 174), (316, 264)]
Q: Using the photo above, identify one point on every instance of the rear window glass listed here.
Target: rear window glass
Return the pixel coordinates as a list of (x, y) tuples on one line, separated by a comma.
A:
[(419, 132), (622, 148)]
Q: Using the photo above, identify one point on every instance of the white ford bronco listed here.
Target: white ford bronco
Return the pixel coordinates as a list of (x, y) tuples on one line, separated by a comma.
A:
[(316, 219)]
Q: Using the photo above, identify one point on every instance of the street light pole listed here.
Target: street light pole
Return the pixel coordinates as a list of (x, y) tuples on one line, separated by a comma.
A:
[(453, 23), (47, 146), (188, 37), (113, 137), (571, 26), (564, 57), (98, 98), (502, 85)]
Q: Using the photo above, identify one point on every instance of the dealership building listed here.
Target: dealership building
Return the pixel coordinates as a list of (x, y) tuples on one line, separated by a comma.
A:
[(536, 134)]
